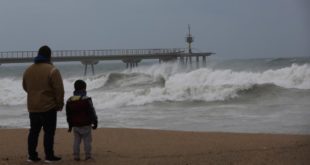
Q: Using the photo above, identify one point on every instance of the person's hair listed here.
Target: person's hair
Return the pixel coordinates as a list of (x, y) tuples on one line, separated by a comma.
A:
[(79, 85), (45, 51)]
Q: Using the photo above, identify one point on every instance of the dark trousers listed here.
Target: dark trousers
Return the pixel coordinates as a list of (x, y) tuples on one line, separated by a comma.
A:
[(47, 120)]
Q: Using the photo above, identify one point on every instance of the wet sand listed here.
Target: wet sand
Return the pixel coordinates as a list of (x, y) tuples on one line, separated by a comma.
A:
[(116, 146)]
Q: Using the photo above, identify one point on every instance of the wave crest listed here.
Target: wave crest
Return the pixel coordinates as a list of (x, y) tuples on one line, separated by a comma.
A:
[(212, 85)]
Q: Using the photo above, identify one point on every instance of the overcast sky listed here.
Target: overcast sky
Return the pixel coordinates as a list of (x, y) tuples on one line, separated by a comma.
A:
[(230, 28)]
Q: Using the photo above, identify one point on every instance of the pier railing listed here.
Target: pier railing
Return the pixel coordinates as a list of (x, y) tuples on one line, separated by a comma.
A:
[(82, 53)]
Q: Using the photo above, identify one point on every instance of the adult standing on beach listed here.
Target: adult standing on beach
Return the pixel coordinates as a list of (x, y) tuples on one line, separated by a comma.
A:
[(45, 96)]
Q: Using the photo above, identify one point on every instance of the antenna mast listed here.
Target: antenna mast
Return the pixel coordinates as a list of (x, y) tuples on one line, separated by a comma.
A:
[(189, 39)]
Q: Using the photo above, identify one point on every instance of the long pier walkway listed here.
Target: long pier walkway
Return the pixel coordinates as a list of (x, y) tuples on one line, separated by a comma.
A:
[(131, 57)]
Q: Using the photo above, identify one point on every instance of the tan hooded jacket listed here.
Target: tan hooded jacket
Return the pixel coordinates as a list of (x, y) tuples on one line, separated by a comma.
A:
[(44, 87)]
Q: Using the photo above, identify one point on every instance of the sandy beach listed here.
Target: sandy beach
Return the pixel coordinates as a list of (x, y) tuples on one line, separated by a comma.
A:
[(114, 146)]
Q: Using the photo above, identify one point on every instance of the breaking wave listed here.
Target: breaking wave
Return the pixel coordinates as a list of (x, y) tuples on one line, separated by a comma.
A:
[(207, 85), (169, 82)]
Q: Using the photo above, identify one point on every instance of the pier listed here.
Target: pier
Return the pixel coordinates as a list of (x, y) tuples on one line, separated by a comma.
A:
[(131, 57)]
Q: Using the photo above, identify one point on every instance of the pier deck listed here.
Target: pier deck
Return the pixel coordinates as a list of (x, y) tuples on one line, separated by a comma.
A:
[(90, 57)]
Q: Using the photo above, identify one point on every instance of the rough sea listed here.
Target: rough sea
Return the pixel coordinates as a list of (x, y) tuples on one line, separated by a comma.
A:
[(236, 95)]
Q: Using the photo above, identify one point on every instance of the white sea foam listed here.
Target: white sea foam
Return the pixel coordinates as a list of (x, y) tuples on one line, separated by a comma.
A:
[(205, 85), (180, 85), (11, 92)]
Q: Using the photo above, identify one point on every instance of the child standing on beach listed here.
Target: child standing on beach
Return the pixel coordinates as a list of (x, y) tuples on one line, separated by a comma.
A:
[(82, 118)]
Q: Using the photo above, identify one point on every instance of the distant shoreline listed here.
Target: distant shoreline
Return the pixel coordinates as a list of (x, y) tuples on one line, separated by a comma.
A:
[(143, 146)]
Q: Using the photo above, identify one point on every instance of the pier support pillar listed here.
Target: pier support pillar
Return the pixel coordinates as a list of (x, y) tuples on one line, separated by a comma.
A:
[(168, 59), (204, 61), (131, 62), (190, 62), (92, 69), (91, 63), (182, 60), (197, 62), (85, 69)]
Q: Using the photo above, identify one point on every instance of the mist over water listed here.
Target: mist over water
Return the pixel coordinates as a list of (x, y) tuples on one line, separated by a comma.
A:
[(252, 95)]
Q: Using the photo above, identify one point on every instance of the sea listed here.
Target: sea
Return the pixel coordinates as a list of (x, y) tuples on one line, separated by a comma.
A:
[(263, 95)]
